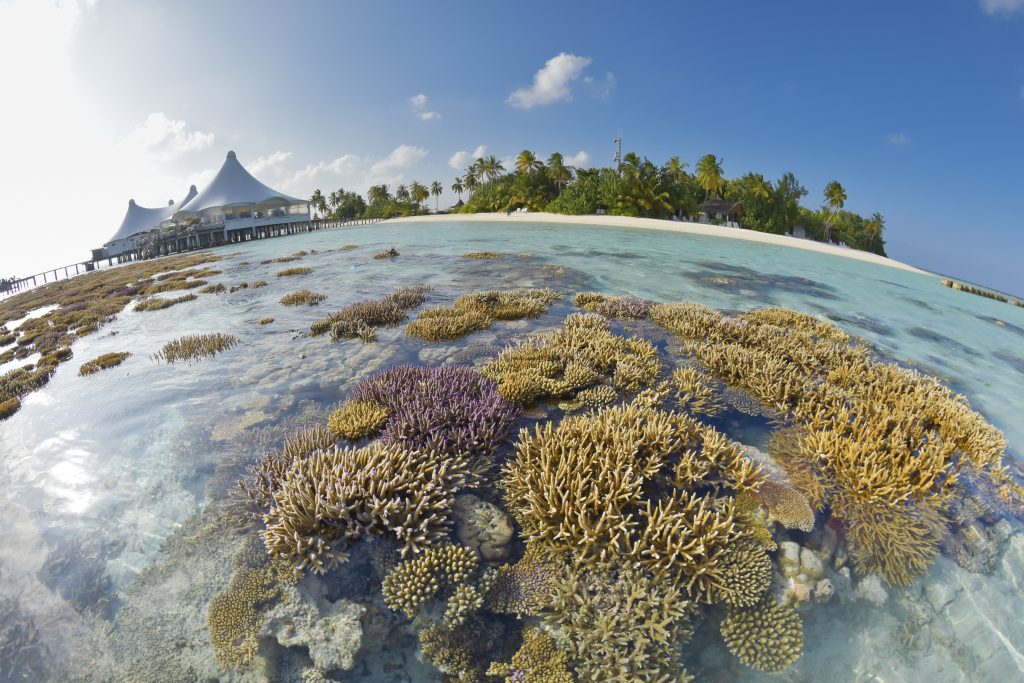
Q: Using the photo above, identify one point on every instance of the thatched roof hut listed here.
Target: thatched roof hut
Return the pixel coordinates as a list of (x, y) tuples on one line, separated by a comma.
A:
[(721, 207)]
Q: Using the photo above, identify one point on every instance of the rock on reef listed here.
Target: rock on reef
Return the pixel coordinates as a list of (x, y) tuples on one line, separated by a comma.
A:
[(483, 527)]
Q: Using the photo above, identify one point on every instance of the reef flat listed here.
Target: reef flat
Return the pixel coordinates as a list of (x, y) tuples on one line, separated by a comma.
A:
[(526, 467)]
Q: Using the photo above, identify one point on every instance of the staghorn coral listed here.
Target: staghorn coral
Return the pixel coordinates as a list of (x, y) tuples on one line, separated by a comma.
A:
[(580, 354), (464, 601), (386, 311), (414, 582), (158, 304), (266, 475), (766, 637), (390, 253), (694, 393), (626, 307), (214, 289), (584, 487), (107, 360), (482, 255), (598, 396), (451, 409), (266, 321), (476, 311), (357, 419), (523, 588), (621, 625), (288, 272), (259, 283), (537, 661), (9, 407), (303, 297), (194, 347), (330, 499)]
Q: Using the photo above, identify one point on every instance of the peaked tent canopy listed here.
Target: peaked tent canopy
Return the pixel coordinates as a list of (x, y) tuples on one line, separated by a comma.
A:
[(233, 186), (140, 218)]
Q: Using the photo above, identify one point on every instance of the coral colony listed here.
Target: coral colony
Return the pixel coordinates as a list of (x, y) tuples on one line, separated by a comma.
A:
[(570, 508), (620, 524)]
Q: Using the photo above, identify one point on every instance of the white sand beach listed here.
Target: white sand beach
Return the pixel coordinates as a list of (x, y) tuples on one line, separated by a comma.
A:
[(671, 226)]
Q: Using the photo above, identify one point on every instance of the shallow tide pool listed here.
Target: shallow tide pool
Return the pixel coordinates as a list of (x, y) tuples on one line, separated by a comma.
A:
[(97, 473)]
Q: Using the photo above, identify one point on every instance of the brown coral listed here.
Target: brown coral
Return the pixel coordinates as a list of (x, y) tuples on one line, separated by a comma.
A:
[(767, 636), (537, 661), (357, 419), (414, 582), (107, 360)]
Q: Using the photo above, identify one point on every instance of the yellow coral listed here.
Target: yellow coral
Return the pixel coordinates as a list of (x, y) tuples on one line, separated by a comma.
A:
[(234, 615), (694, 393), (537, 661), (357, 419), (414, 582), (767, 636)]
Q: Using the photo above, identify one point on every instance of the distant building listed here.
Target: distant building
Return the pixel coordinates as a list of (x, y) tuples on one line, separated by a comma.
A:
[(721, 210), (234, 207)]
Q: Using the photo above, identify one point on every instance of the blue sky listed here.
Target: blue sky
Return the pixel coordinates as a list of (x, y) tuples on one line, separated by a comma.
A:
[(916, 107)]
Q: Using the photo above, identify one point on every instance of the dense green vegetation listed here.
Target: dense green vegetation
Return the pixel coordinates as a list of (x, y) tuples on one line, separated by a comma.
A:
[(638, 187)]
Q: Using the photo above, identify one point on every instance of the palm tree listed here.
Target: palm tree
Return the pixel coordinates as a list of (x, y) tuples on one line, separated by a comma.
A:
[(709, 175), (317, 201), (436, 189), (835, 197), (491, 167), (471, 182), (402, 193), (676, 169), (458, 188), (418, 192), (378, 194), (558, 171), (336, 198), (527, 162)]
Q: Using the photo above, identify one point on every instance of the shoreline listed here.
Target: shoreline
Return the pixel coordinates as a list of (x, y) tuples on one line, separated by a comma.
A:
[(668, 226)]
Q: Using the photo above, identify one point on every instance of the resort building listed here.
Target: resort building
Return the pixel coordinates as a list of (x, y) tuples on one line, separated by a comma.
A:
[(234, 207)]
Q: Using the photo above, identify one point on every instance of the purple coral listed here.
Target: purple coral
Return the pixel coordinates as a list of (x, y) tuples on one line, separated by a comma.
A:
[(450, 409)]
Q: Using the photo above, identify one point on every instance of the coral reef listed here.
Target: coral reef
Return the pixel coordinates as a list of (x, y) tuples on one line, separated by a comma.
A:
[(462, 653), (390, 253), (465, 600), (477, 310), (288, 272), (483, 255), (158, 304), (259, 283), (303, 297), (621, 625), (267, 474), (9, 407), (537, 661), (573, 358), (523, 588), (236, 614), (694, 392), (349, 322), (766, 636), (414, 582), (626, 307), (450, 409), (330, 631), (266, 321), (357, 419), (194, 347), (107, 360), (213, 289)]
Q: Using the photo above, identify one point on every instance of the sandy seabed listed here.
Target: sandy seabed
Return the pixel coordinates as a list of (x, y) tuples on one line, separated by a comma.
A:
[(670, 226)]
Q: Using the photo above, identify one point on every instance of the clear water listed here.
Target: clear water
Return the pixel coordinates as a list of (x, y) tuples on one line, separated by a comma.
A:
[(96, 472)]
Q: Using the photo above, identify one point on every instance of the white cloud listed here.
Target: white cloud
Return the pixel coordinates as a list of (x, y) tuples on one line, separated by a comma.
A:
[(269, 163), (461, 159), (419, 107), (580, 159), (898, 139), (601, 90), (551, 83), (164, 138), (400, 157), (1004, 7)]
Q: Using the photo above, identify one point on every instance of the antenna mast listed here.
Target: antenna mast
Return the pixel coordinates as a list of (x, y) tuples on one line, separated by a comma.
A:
[(618, 150)]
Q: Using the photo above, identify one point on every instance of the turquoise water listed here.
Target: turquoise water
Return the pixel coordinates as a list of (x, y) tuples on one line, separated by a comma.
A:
[(97, 472)]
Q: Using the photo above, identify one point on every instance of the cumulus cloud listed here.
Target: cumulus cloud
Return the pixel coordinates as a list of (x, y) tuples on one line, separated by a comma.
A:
[(462, 158), (898, 139), (272, 162), (1004, 7), (551, 82), (419, 107), (580, 159), (601, 89), (164, 138), (345, 166), (400, 157)]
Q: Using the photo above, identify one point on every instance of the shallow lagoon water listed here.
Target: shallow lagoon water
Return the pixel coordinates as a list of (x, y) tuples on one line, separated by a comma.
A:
[(97, 472)]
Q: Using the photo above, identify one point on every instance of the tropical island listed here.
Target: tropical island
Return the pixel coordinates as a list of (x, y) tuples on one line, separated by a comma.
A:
[(635, 188)]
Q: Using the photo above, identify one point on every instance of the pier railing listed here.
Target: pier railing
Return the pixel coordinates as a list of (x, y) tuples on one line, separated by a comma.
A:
[(14, 285)]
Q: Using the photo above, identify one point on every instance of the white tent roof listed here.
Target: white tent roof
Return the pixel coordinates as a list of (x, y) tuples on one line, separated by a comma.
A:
[(139, 218), (233, 185)]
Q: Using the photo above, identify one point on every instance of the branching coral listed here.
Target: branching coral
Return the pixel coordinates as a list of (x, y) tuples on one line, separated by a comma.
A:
[(622, 625), (767, 636), (537, 661), (194, 347), (482, 255), (303, 297), (694, 392), (523, 588), (389, 310), (584, 487), (390, 253), (357, 419), (465, 600), (9, 407), (414, 582), (158, 304), (450, 409), (300, 270), (107, 360), (462, 653), (580, 354), (476, 311), (627, 307), (747, 571), (267, 320), (266, 475)]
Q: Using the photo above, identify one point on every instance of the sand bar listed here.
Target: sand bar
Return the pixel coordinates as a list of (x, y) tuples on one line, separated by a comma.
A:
[(671, 226)]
